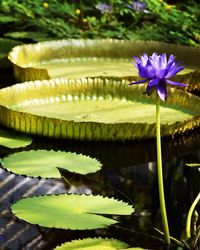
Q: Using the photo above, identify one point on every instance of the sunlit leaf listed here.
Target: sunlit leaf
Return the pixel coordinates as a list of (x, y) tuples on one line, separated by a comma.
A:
[(94, 109), (194, 165), (90, 58), (11, 139), (95, 244), (36, 36), (70, 211), (7, 19), (45, 163)]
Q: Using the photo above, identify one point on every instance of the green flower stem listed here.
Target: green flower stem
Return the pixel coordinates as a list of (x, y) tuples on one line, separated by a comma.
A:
[(160, 174), (189, 216)]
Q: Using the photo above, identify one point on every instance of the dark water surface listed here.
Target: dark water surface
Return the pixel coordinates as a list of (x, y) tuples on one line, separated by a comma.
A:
[(128, 173)]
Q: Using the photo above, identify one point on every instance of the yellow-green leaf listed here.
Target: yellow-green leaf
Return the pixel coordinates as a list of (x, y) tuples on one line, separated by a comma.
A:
[(69, 211), (12, 139), (43, 163), (95, 244)]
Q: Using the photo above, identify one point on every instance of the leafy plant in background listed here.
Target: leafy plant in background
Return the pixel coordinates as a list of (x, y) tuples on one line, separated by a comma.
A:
[(177, 21), (138, 20)]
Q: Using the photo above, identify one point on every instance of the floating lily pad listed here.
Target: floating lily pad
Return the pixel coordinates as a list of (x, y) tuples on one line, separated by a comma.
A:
[(95, 244), (43, 163), (70, 211), (11, 139), (94, 109), (194, 165), (5, 46), (90, 58)]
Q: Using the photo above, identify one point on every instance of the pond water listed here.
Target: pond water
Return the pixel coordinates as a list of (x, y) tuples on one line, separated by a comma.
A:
[(128, 173)]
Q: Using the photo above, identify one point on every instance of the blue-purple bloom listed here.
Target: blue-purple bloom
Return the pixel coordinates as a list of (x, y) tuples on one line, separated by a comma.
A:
[(138, 6), (1, 237), (104, 7), (156, 70)]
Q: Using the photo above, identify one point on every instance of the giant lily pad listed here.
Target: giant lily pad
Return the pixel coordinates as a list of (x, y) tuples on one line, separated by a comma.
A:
[(90, 58), (94, 109), (95, 244), (43, 163), (70, 211)]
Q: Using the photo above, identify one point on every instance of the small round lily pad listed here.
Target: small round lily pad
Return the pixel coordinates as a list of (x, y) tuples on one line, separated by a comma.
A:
[(95, 244), (12, 139), (70, 211), (44, 163)]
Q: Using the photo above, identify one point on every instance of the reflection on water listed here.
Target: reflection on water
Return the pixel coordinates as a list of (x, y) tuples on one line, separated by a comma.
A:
[(13, 233), (129, 174)]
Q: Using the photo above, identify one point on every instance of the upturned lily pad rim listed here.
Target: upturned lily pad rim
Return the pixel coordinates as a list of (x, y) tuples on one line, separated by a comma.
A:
[(137, 47), (21, 57), (57, 128)]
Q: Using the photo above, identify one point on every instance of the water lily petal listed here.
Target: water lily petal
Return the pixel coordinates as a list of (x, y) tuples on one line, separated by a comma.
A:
[(149, 89), (137, 60), (154, 56), (162, 61), (171, 58), (162, 91), (162, 73), (154, 82), (143, 72), (170, 66), (174, 71), (138, 82), (144, 59), (176, 83)]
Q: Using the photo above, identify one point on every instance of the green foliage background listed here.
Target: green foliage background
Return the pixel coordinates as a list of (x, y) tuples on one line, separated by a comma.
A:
[(38, 20)]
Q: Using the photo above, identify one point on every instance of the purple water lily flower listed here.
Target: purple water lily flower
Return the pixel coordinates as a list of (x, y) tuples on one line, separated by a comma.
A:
[(156, 70), (104, 7), (138, 6)]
